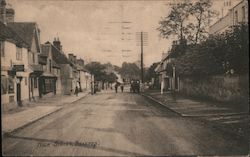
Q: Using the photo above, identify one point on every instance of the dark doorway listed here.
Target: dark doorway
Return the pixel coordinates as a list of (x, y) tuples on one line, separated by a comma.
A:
[(18, 94)]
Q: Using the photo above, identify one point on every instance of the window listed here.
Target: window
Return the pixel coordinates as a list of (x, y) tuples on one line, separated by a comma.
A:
[(4, 84), (10, 85), (243, 13), (45, 68), (18, 53), (2, 48), (35, 82), (50, 65), (236, 17), (33, 58)]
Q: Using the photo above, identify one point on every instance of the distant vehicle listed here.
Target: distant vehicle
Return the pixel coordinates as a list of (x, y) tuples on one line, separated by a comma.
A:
[(135, 86)]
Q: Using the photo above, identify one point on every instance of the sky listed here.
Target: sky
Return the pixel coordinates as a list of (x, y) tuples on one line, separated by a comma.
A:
[(100, 30)]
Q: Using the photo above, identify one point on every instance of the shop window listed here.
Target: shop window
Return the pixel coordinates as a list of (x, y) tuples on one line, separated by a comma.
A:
[(48, 85), (35, 82), (10, 85), (4, 84), (18, 53), (2, 48)]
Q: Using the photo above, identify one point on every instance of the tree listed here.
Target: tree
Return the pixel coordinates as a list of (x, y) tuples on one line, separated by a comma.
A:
[(97, 69), (130, 70), (175, 22), (202, 12), (227, 53), (150, 73)]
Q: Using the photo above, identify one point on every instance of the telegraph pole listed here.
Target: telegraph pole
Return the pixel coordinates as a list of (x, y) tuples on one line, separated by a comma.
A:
[(142, 37), (142, 79)]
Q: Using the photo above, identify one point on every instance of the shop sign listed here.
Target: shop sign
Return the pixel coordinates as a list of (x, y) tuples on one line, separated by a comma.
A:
[(18, 67)]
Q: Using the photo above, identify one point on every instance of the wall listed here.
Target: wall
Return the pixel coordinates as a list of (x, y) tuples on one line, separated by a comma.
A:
[(219, 88), (66, 79)]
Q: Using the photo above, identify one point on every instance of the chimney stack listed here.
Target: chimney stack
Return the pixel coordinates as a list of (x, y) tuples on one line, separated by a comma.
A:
[(71, 57), (57, 44), (10, 14), (3, 12)]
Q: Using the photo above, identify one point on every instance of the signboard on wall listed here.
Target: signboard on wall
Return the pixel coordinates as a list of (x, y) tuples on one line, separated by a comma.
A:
[(18, 67)]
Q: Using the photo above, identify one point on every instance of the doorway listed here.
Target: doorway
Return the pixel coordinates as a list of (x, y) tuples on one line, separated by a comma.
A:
[(18, 92)]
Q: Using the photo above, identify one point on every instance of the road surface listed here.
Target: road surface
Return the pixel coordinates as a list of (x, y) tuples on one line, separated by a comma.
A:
[(122, 124)]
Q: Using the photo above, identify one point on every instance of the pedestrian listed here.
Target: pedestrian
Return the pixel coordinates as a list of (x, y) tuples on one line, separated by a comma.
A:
[(76, 91), (116, 86), (122, 88)]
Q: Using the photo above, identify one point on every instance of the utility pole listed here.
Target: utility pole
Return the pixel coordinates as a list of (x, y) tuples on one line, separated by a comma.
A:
[(142, 37), (142, 80)]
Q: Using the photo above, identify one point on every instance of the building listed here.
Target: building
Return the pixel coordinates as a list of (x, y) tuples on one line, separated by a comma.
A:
[(84, 76), (49, 81), (66, 69), (14, 68), (30, 33), (168, 79), (236, 15)]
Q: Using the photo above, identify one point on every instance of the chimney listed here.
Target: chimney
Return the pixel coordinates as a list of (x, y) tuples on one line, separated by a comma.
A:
[(74, 59), (57, 44), (3, 11), (80, 62), (71, 57), (10, 14)]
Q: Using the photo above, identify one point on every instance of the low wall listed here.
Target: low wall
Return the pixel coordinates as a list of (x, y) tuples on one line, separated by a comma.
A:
[(219, 88)]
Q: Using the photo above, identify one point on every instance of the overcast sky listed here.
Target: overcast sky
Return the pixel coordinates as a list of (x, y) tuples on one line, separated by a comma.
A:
[(102, 31)]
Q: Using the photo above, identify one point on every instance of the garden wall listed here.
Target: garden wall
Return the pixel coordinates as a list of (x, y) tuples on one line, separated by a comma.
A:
[(219, 88)]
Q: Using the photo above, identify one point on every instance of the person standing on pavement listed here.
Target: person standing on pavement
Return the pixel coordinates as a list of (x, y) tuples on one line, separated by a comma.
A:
[(76, 91)]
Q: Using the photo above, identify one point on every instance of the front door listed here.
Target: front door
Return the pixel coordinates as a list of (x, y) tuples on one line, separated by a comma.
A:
[(18, 94)]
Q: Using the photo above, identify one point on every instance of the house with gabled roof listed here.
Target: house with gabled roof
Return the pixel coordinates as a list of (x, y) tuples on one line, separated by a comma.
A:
[(67, 69), (30, 33), (14, 68), (49, 81)]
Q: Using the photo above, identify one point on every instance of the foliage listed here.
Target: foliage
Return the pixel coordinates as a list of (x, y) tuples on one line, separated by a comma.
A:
[(174, 23), (187, 21), (97, 69), (202, 13), (219, 54), (130, 71), (150, 73)]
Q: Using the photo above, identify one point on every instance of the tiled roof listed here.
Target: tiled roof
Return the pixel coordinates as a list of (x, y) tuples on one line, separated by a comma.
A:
[(54, 65), (8, 34), (26, 30), (58, 56)]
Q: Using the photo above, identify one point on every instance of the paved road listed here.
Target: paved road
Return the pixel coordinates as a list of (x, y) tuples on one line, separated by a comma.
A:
[(110, 124)]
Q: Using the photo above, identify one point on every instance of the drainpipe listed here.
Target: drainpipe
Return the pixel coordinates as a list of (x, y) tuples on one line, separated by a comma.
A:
[(29, 86)]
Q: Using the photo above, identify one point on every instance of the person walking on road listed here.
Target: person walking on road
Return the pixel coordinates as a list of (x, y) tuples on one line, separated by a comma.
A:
[(116, 86), (76, 91)]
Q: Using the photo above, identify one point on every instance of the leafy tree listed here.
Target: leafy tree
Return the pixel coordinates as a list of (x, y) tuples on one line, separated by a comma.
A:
[(130, 70), (97, 69), (175, 22), (219, 54), (202, 13), (150, 73)]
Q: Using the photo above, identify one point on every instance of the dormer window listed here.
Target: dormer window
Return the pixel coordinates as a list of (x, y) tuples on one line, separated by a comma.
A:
[(18, 53)]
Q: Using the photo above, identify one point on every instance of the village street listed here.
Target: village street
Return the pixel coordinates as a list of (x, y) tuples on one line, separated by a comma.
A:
[(120, 124)]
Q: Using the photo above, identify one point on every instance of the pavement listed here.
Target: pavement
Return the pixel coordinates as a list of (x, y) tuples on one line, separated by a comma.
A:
[(24, 116), (120, 124), (227, 116)]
